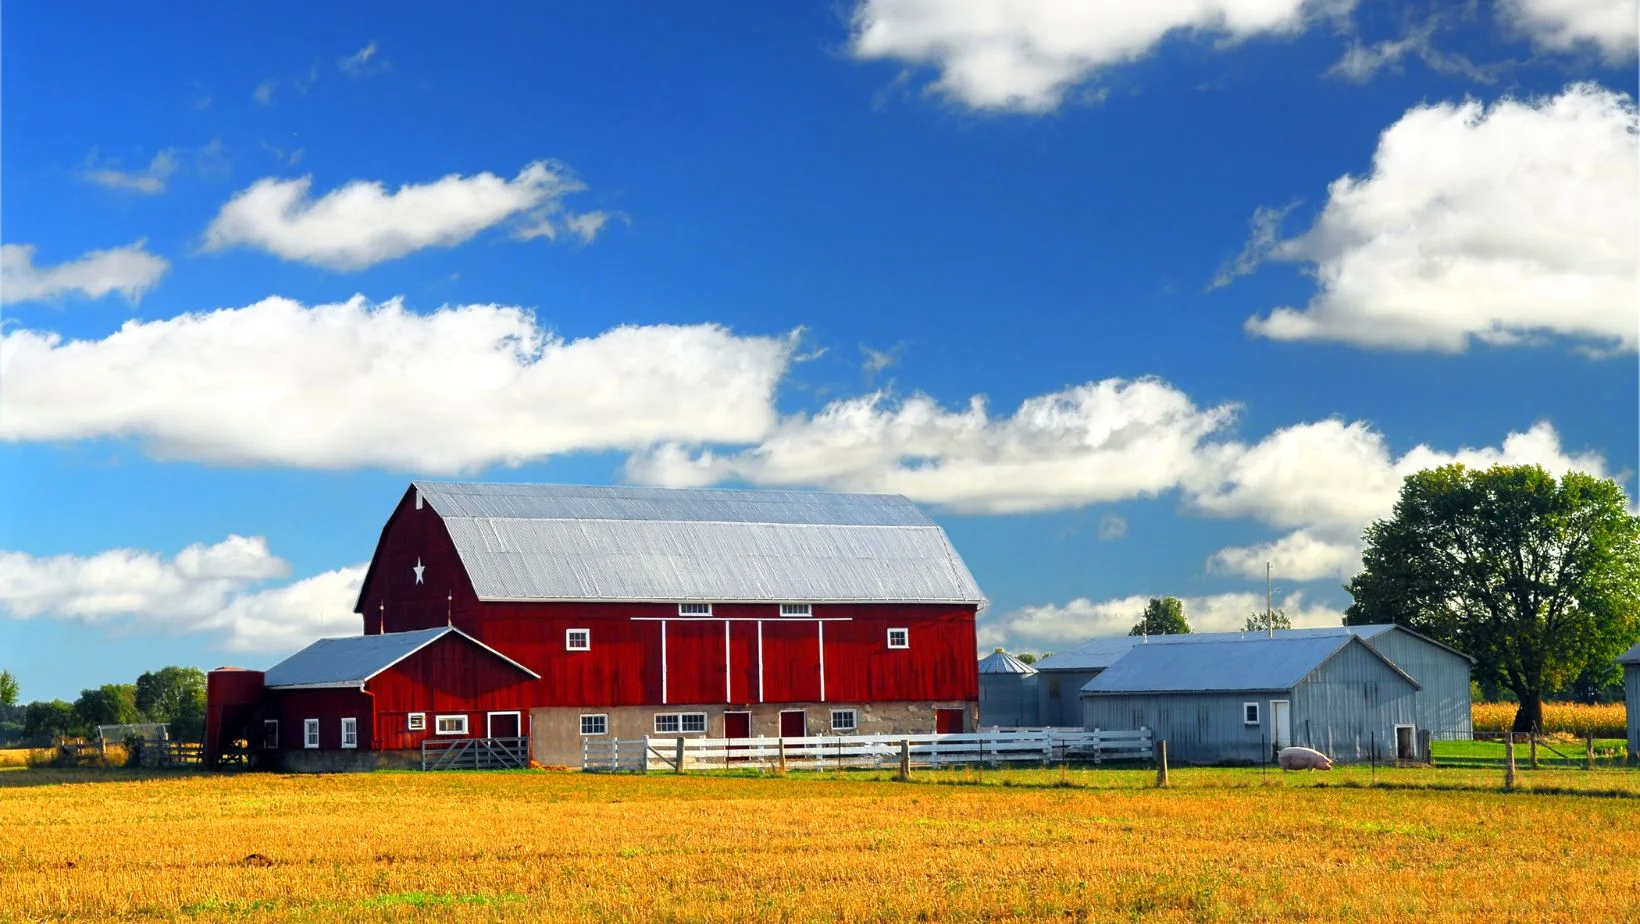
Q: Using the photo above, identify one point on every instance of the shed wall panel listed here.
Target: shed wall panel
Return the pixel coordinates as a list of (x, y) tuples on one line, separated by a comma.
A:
[(1351, 704), (1442, 702), (1631, 683)]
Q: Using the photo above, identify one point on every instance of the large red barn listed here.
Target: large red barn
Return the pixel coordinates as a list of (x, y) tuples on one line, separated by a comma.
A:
[(641, 611)]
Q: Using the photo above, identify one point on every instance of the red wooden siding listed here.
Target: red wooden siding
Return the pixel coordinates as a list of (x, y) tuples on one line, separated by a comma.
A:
[(290, 707), (451, 676), (413, 535)]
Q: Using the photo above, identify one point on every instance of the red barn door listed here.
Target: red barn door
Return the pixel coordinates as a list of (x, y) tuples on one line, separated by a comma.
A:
[(948, 721), (793, 724)]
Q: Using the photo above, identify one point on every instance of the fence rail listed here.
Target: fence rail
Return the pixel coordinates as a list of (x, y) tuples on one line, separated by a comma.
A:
[(476, 754), (875, 751), (167, 753)]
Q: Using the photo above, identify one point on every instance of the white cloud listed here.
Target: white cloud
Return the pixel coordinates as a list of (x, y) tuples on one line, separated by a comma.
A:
[(130, 270), (1499, 224), (1053, 627), (1112, 527), (1613, 26), (1102, 441), (1026, 55), (1300, 556), (357, 64), (148, 181), (359, 384), (204, 588), (361, 223)]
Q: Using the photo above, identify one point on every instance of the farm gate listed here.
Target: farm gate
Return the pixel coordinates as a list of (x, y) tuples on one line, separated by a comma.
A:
[(476, 754)]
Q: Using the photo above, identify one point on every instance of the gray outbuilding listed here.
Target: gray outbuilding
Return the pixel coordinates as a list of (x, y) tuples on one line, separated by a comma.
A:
[(1007, 692), (1238, 700), (1631, 686)]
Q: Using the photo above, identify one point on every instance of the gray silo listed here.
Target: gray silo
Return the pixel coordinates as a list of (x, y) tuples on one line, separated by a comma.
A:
[(1007, 691)]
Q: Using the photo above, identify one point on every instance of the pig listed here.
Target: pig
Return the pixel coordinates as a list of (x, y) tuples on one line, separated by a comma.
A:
[(1303, 759)]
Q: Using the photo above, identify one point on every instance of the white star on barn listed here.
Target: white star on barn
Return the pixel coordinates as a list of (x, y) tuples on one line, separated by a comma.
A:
[(419, 568)]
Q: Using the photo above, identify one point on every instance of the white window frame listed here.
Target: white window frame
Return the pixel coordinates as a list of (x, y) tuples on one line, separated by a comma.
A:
[(438, 724), (489, 721), (310, 734), (603, 723), (695, 612), (416, 721), (270, 725), (681, 718), (796, 609), (569, 640), (853, 720), (350, 728), (905, 638), (1251, 714)]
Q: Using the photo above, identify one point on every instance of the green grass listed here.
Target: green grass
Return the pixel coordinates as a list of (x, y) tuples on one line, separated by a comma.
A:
[(1607, 751)]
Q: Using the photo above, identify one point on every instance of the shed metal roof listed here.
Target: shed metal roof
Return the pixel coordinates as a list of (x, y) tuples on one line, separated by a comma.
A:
[(1229, 665), (1632, 656), (1001, 662), (560, 542), (1100, 653), (350, 662)]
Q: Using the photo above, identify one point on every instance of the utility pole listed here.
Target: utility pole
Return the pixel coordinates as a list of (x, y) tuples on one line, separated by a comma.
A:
[(1269, 612)]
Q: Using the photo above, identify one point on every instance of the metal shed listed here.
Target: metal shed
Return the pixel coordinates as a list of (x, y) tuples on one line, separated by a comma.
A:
[(1631, 685), (1007, 691), (1237, 700)]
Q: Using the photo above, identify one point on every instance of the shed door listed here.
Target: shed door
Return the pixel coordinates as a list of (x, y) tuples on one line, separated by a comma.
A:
[(948, 721), (503, 725), (793, 724), (737, 725), (1281, 723)]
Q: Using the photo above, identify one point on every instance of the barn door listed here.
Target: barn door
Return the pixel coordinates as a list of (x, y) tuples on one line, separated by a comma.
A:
[(737, 725), (948, 721), (1281, 723), (503, 725), (794, 723)]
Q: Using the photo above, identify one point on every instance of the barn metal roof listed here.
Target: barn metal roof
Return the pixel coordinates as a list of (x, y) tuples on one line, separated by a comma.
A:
[(1632, 656), (559, 542), (1228, 665), (350, 662), (1100, 653), (1001, 662)]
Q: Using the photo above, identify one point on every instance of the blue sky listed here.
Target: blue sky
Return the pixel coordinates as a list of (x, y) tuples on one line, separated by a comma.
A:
[(1220, 274)]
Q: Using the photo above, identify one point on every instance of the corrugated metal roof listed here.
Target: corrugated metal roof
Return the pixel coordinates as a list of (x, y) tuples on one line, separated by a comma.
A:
[(1221, 666), (555, 542), (1100, 653), (1632, 656), (1001, 662), (349, 662)]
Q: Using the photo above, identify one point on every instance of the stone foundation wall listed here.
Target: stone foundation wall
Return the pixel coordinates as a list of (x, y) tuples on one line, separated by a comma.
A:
[(348, 761)]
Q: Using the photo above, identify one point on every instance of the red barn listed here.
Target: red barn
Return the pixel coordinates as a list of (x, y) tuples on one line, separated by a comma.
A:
[(646, 611)]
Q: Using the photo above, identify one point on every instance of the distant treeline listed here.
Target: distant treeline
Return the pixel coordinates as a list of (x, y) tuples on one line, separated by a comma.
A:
[(173, 695)]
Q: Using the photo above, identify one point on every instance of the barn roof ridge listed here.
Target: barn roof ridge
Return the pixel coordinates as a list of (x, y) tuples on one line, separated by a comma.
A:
[(321, 665), (1271, 664), (1632, 656)]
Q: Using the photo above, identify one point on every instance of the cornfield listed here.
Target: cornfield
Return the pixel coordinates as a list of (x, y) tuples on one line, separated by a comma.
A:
[(1575, 719), (1226, 845)]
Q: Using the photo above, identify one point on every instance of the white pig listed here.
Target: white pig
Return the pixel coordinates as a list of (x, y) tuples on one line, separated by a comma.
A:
[(1303, 759)]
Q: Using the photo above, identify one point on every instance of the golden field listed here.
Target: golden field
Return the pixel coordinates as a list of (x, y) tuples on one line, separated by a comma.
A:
[(1574, 719), (1228, 845)]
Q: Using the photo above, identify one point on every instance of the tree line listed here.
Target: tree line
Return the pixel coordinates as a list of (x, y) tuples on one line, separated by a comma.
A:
[(173, 695)]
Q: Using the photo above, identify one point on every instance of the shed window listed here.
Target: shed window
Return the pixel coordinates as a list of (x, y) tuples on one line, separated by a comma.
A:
[(796, 609), (578, 639), (694, 609), (899, 638), (310, 733), (450, 725), (1249, 713), (843, 720), (350, 733), (417, 722), (680, 723), (595, 724), (270, 734)]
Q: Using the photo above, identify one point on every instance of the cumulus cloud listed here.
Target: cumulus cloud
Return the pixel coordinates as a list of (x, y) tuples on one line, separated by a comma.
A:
[(130, 270), (1101, 441), (1026, 55), (362, 223), (1612, 26), (1499, 224), (149, 181), (1055, 627), (357, 384), (203, 588)]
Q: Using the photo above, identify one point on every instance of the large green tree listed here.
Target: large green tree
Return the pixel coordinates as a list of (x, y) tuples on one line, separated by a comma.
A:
[(1537, 578), (175, 695), (109, 704), (1162, 616), (47, 719), (8, 689)]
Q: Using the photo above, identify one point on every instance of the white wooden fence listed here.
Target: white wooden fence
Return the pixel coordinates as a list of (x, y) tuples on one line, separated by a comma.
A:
[(993, 748)]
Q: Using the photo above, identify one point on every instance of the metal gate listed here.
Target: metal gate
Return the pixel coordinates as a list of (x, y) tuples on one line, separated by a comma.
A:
[(476, 754)]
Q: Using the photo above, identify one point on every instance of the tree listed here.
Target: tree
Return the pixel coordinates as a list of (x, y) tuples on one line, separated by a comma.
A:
[(1259, 622), (175, 695), (47, 719), (1538, 580), (109, 704), (8, 689), (1027, 658), (1163, 616)]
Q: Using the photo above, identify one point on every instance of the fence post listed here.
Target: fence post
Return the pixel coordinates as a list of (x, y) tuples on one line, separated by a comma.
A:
[(1588, 753), (905, 759), (1161, 762), (780, 756), (1426, 746), (1532, 738), (1509, 760)]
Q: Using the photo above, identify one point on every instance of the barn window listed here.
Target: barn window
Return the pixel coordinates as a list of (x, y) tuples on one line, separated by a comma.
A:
[(680, 723), (310, 733), (595, 724), (796, 609), (578, 639), (843, 720), (1249, 713), (899, 638), (350, 733), (418, 721), (694, 609), (270, 734), (450, 724)]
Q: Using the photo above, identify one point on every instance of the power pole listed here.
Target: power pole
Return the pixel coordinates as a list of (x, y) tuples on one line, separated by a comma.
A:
[(1269, 612)]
